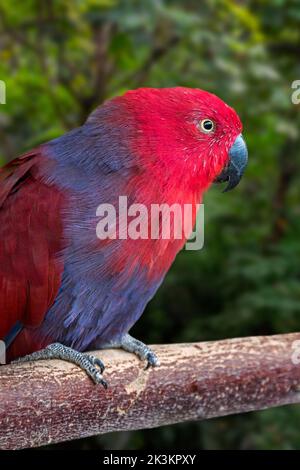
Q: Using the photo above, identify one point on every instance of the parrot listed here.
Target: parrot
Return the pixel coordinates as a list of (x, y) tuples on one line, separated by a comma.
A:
[(64, 291)]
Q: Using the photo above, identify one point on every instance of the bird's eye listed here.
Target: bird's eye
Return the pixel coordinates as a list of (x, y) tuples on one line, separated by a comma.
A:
[(207, 126)]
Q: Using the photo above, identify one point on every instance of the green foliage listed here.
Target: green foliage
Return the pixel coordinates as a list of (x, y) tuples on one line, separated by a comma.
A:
[(60, 59)]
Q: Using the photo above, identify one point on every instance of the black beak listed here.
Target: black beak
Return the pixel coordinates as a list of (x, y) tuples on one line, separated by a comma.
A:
[(238, 158)]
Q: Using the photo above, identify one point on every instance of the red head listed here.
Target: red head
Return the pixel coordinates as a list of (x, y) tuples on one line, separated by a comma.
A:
[(183, 135)]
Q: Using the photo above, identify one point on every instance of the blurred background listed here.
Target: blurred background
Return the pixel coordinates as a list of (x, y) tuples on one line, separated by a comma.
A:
[(60, 59)]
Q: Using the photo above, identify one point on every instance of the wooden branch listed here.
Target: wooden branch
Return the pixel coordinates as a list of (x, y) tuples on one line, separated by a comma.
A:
[(53, 401)]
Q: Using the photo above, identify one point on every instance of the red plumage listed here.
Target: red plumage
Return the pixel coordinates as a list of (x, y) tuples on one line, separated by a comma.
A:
[(30, 238)]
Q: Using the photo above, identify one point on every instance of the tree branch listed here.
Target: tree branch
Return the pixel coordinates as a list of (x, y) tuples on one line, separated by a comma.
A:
[(53, 401)]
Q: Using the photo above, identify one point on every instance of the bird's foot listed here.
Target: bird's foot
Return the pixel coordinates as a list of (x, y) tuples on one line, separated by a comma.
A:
[(130, 344), (93, 366)]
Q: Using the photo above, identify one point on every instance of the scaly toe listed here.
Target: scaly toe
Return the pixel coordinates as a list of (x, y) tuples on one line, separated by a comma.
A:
[(97, 377), (96, 362)]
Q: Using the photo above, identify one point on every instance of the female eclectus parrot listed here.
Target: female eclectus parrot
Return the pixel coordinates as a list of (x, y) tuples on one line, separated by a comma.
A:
[(63, 290)]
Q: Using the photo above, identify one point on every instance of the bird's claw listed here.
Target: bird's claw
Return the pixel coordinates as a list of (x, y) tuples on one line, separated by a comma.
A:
[(98, 378), (152, 360), (96, 362), (93, 366), (95, 372), (135, 346)]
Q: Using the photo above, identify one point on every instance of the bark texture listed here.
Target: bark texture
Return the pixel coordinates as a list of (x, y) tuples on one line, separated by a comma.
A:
[(54, 401)]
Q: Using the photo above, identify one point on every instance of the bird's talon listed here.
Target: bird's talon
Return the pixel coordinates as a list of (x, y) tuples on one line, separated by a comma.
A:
[(96, 362), (152, 360), (100, 364), (97, 378), (104, 383)]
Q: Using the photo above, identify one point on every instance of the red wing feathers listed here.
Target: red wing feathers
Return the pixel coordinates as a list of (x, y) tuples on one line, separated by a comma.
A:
[(30, 239)]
